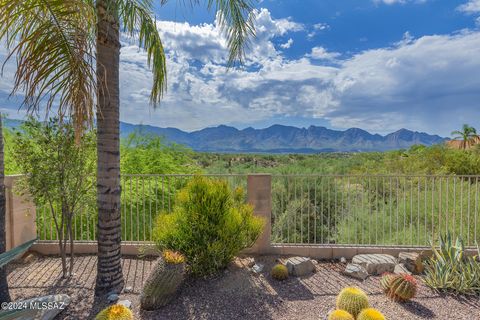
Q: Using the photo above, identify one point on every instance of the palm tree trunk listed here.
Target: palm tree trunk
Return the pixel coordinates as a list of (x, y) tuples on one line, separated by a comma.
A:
[(4, 294), (109, 267)]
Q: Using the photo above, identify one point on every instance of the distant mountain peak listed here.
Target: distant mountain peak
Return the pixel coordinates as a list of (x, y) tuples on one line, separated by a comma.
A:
[(281, 138)]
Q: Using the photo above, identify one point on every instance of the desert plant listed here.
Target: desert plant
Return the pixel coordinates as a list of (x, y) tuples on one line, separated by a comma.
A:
[(173, 257), (352, 300), (386, 280), (58, 172), (340, 315), (209, 224), (370, 314), (164, 280), (449, 269), (279, 272), (402, 287), (115, 312)]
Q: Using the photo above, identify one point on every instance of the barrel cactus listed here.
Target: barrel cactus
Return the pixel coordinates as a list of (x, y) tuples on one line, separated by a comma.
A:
[(386, 280), (403, 287), (279, 272), (115, 312), (352, 300), (340, 315), (370, 314), (164, 280)]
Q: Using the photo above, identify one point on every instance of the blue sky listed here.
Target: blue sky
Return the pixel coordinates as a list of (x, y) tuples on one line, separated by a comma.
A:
[(380, 65)]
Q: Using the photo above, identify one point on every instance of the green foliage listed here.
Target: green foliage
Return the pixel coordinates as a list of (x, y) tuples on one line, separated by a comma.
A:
[(370, 314), (115, 312), (58, 174), (353, 300), (450, 269), (340, 315), (279, 272), (209, 224), (149, 154), (400, 287)]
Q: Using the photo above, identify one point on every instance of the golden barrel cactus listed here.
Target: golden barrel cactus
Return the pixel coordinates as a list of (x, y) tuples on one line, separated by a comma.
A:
[(279, 272), (115, 312), (340, 315), (403, 287), (352, 300), (370, 314)]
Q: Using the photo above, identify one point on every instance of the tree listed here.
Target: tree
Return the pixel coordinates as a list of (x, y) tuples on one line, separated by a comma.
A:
[(68, 53), (467, 136), (58, 174), (4, 294)]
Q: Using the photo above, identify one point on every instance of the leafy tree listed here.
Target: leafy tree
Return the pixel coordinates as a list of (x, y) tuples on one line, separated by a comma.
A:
[(58, 174), (467, 135), (68, 52)]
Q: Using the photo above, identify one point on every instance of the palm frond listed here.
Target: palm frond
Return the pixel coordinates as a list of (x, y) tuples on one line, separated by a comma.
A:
[(138, 21), (53, 44), (236, 19)]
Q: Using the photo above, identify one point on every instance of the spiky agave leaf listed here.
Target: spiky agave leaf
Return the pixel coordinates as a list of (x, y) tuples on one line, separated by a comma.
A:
[(9, 255)]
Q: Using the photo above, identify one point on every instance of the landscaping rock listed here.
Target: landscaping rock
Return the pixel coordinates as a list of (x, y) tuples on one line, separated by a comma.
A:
[(57, 303), (412, 261), (375, 264), (300, 266), (258, 268), (126, 303), (162, 284), (128, 289), (401, 269), (29, 258), (250, 262), (112, 297), (343, 260), (356, 271)]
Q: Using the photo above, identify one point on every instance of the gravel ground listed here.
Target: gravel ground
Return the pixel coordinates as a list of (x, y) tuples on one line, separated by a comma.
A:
[(235, 294)]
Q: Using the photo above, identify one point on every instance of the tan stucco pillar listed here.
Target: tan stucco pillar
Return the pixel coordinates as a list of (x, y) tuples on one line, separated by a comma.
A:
[(259, 195)]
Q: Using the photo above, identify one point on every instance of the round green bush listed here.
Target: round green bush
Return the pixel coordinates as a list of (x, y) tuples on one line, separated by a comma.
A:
[(209, 224)]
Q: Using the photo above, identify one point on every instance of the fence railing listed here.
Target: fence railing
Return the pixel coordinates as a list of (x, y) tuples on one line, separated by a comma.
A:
[(374, 210), (144, 196), (313, 209)]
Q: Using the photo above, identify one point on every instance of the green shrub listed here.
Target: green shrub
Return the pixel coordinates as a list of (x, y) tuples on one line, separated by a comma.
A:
[(209, 224), (449, 269)]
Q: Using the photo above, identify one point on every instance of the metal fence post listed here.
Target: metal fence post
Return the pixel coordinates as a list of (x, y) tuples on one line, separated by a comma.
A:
[(259, 195)]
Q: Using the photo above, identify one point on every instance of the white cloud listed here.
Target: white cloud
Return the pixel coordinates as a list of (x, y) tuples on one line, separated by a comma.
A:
[(429, 84), (287, 44), (320, 53), (390, 2), (471, 7), (318, 27)]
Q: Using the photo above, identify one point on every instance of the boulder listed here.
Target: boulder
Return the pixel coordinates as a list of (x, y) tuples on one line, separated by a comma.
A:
[(401, 269), (375, 264), (412, 261), (162, 284), (300, 266), (356, 271)]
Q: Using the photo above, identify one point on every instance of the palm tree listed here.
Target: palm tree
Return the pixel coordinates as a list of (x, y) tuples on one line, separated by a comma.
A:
[(68, 56), (467, 136), (4, 294)]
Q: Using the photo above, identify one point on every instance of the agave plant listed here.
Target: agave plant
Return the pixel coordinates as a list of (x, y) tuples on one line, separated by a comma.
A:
[(449, 269), (5, 258)]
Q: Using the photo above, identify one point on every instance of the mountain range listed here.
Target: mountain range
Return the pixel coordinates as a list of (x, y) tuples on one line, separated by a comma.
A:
[(286, 139), (279, 138)]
